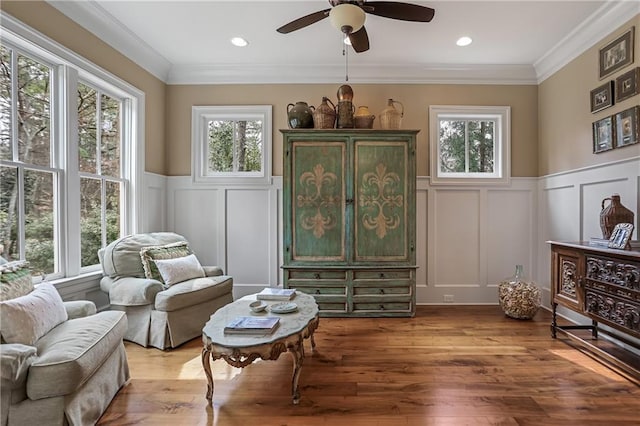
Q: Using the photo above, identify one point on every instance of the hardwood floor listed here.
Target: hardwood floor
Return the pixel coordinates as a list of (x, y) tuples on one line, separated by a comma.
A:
[(450, 365)]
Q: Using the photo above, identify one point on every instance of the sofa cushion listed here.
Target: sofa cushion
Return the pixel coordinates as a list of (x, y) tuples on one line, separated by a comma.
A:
[(72, 352), (15, 279), (149, 255), (193, 292), (121, 258), (27, 318), (174, 271)]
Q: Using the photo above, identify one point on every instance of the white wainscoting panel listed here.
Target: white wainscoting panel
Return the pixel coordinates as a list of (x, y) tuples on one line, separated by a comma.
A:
[(248, 236), (198, 214), (155, 203), (456, 237), (510, 236)]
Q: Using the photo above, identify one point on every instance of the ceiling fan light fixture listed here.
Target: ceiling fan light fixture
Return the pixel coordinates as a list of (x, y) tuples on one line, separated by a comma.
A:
[(347, 18)]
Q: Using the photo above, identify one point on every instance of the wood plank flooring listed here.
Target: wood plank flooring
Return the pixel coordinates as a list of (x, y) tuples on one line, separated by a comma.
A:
[(449, 365)]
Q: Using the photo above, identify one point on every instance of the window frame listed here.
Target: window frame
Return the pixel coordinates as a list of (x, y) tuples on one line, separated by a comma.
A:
[(502, 144), (69, 68), (201, 115)]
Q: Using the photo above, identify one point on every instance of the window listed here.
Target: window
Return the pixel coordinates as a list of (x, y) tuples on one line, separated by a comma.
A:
[(66, 180), (231, 144), (470, 144)]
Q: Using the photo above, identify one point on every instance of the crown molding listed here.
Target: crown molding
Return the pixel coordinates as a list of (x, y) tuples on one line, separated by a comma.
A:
[(373, 73), (595, 28), (95, 19)]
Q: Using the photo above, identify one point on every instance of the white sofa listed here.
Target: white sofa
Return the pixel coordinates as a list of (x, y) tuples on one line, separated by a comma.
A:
[(161, 314), (61, 362)]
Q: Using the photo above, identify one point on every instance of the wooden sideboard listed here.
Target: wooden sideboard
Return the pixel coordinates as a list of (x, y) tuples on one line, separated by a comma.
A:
[(349, 219), (603, 285)]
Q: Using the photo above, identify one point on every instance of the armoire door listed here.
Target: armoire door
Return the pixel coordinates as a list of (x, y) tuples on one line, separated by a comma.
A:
[(318, 201), (383, 192)]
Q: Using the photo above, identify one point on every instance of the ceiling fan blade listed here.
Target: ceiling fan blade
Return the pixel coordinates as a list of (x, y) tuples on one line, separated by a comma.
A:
[(312, 18), (401, 11), (359, 40)]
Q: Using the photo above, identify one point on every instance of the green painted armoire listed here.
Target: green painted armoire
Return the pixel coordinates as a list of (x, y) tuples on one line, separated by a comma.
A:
[(349, 210)]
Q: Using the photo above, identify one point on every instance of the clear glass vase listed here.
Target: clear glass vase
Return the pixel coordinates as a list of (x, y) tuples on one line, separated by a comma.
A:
[(519, 297)]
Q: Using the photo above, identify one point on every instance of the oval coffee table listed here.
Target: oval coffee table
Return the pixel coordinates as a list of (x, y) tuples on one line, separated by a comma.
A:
[(242, 350)]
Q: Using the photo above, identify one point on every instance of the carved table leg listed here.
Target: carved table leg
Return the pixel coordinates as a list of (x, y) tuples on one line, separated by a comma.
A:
[(206, 364), (297, 352)]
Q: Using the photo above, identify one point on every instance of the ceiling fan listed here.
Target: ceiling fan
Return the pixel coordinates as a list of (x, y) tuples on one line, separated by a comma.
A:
[(349, 16)]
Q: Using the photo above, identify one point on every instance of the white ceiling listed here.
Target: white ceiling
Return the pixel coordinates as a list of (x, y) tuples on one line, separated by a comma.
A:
[(188, 41)]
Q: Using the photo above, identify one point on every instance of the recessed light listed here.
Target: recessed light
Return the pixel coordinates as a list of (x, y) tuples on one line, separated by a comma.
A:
[(239, 41), (464, 41)]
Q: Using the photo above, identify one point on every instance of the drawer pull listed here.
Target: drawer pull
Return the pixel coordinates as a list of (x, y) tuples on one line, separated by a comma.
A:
[(382, 307), (316, 276), (381, 275), (382, 291), (317, 291)]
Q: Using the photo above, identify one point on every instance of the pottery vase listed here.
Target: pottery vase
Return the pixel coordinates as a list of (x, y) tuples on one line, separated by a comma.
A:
[(300, 115)]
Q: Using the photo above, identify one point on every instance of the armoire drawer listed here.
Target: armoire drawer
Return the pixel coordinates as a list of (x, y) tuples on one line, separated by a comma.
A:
[(317, 274), (382, 274)]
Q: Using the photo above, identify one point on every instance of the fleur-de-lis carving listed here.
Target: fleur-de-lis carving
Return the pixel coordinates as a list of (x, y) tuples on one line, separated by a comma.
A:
[(380, 200), (316, 187)]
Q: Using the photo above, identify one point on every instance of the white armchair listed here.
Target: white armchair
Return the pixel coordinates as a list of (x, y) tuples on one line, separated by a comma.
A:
[(157, 280)]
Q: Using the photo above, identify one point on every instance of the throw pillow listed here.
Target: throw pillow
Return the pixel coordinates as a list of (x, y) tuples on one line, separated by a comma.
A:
[(26, 319), (169, 251), (181, 269), (15, 280)]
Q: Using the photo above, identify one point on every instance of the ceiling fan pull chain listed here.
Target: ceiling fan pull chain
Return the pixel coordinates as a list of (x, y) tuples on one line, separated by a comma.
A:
[(345, 53)]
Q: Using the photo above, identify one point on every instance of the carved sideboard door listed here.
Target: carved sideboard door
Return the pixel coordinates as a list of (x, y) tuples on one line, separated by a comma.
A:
[(568, 278), (349, 219)]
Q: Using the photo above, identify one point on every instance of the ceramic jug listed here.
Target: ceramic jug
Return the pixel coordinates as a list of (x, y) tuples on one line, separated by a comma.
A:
[(300, 115), (390, 117), (613, 214), (363, 118), (324, 117)]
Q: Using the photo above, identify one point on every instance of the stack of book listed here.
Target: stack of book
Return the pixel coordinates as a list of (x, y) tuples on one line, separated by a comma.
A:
[(270, 293), (252, 325)]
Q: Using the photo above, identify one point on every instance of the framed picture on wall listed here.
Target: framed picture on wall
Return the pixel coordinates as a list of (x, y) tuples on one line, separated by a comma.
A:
[(627, 85), (617, 54), (627, 127), (602, 97), (603, 135)]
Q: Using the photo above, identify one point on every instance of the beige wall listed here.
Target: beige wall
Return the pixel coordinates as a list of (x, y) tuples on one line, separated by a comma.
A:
[(416, 100), (565, 121), (47, 20)]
